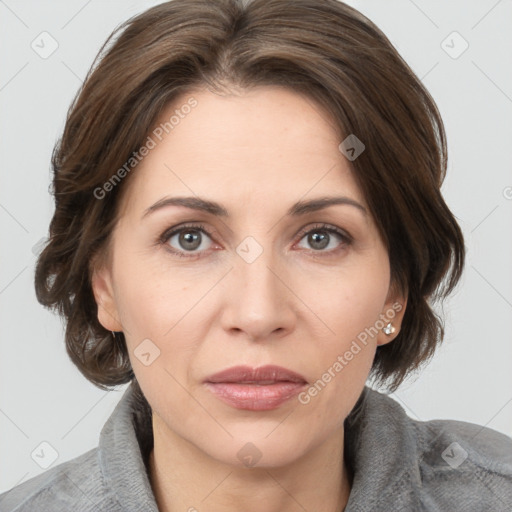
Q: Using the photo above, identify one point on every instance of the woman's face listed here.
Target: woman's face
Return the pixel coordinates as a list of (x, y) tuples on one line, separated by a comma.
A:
[(263, 277)]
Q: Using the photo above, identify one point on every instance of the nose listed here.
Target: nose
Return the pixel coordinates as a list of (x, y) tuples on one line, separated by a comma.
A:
[(259, 301)]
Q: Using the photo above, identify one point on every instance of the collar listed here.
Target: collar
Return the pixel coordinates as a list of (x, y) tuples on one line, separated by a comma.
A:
[(380, 450), (123, 453)]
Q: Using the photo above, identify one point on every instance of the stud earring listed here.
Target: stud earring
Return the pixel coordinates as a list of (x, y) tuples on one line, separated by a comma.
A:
[(389, 329)]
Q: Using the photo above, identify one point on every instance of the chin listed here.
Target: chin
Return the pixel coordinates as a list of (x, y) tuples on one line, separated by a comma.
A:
[(261, 446)]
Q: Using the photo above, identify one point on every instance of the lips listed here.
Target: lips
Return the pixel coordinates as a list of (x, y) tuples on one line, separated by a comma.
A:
[(255, 389), (268, 374)]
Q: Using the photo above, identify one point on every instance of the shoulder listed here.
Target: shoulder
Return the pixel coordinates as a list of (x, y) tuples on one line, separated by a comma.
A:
[(463, 464), (77, 484), (434, 465)]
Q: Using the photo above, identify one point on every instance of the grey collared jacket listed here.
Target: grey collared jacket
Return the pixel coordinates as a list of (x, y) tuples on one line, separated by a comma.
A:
[(396, 463)]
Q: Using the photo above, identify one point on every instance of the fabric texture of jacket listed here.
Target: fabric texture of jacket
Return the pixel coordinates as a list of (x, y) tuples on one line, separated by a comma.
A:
[(398, 465)]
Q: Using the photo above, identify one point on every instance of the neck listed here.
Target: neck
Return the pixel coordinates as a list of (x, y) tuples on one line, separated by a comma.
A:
[(184, 478)]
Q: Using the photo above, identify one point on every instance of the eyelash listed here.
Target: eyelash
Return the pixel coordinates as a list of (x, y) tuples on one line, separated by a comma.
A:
[(346, 239)]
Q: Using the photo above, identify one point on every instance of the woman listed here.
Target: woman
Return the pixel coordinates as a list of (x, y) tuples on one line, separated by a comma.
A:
[(248, 226)]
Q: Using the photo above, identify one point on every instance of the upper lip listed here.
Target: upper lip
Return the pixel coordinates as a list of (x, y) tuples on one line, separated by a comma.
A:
[(264, 374)]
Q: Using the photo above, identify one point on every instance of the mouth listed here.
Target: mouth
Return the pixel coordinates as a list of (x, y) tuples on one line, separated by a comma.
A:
[(255, 389)]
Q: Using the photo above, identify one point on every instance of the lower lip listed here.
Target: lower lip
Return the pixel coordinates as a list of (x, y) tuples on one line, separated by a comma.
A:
[(253, 397)]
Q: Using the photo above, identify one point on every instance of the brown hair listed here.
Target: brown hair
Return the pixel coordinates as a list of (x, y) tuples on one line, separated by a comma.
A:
[(322, 48)]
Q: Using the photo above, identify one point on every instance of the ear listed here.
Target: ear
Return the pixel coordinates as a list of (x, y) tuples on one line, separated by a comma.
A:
[(101, 283), (392, 313)]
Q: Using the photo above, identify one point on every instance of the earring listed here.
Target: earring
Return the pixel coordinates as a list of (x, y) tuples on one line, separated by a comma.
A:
[(389, 329)]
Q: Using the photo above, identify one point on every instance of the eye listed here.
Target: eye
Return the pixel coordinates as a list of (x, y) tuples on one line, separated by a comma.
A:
[(186, 239), (324, 236), (192, 240)]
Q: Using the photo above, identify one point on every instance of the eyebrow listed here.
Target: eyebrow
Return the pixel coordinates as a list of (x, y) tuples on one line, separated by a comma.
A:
[(213, 208)]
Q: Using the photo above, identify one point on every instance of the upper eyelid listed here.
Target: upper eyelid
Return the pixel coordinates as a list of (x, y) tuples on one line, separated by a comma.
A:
[(168, 233), (324, 226)]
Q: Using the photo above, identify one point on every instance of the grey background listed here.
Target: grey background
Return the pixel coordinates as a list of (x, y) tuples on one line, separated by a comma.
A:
[(44, 398)]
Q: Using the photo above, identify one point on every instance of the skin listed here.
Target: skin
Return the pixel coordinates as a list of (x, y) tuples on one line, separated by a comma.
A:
[(299, 305)]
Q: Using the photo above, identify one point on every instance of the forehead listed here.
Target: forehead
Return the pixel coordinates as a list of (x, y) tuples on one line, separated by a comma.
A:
[(269, 143)]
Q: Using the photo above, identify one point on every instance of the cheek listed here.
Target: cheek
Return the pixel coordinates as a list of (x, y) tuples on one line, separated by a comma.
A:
[(144, 306), (348, 354), (350, 306), (348, 300), (162, 336), (149, 297), (162, 319)]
